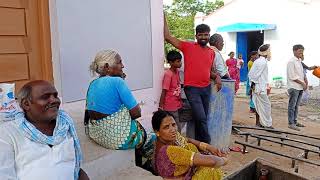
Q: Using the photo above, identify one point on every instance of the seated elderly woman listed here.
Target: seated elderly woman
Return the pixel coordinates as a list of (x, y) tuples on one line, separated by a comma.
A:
[(111, 109), (178, 157)]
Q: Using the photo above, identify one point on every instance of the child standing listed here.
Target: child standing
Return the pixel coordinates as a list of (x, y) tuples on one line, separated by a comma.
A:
[(170, 99), (252, 57), (240, 61)]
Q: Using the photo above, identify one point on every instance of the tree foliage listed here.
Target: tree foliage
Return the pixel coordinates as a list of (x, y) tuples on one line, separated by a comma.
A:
[(180, 17)]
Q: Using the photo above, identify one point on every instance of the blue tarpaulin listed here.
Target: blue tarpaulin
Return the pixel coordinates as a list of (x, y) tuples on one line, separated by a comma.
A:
[(245, 27)]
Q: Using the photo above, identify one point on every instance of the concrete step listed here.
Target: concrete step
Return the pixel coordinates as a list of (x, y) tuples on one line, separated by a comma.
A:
[(133, 173), (98, 162)]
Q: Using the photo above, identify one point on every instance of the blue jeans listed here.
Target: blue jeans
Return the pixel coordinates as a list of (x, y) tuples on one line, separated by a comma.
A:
[(199, 98), (293, 106)]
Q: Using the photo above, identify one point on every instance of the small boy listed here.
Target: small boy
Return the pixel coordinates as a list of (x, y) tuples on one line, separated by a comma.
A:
[(252, 57), (170, 99)]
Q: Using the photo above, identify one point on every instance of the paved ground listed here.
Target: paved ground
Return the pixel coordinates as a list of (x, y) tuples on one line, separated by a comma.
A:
[(308, 115), (97, 157)]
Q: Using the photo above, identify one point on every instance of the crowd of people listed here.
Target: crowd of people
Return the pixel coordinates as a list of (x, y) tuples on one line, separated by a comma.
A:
[(41, 142)]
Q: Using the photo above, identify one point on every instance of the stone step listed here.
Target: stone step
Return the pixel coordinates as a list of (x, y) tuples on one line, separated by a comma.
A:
[(133, 173), (98, 162)]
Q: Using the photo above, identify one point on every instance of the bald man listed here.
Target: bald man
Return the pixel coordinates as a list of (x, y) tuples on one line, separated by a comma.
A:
[(41, 142)]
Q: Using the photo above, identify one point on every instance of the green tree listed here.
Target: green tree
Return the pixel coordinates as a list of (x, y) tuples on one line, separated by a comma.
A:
[(180, 17)]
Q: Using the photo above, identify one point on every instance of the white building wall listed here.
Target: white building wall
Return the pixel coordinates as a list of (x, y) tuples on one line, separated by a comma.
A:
[(295, 25), (147, 97), (150, 97), (55, 46)]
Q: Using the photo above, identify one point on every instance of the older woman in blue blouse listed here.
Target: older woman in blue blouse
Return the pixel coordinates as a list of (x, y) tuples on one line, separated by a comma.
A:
[(111, 109)]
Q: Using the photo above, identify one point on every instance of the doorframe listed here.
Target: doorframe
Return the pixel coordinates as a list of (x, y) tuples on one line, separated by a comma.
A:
[(45, 39)]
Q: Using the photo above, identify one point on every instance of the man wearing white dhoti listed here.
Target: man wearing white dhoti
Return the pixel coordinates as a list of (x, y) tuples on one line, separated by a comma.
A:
[(258, 77)]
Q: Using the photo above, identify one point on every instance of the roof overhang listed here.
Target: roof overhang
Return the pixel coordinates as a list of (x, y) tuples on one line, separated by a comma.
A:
[(245, 27)]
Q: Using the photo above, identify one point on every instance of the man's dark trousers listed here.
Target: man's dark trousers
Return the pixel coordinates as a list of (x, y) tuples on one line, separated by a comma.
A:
[(199, 98)]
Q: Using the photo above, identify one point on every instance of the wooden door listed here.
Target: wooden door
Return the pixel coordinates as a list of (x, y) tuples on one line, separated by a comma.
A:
[(25, 51)]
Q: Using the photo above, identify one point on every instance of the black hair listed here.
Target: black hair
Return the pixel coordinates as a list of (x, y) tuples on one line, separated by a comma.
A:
[(252, 53), (264, 47), (173, 55), (157, 119), (214, 39), (297, 46), (202, 28), (230, 53)]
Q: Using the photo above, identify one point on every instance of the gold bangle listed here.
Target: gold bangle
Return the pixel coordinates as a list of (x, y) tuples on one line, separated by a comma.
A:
[(191, 158), (203, 146)]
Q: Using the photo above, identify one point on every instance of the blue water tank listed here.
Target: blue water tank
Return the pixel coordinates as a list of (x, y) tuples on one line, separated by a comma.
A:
[(221, 113)]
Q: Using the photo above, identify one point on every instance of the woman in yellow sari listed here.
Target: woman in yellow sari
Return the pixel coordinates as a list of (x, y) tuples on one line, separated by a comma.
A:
[(178, 157)]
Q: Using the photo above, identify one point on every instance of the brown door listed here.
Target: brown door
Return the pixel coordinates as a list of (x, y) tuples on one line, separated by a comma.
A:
[(25, 52)]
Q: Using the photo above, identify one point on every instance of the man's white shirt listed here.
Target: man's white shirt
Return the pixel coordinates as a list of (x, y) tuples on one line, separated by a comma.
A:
[(219, 62), (23, 159), (259, 75), (295, 72)]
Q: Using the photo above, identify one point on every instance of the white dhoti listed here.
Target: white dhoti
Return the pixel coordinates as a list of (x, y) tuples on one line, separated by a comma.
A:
[(263, 108)]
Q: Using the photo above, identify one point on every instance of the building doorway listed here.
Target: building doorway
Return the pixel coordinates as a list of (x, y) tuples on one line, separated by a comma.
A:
[(247, 42), (255, 40)]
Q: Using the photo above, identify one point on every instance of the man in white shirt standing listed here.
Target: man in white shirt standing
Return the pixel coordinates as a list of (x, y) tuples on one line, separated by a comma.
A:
[(216, 43), (40, 142), (258, 77), (296, 83)]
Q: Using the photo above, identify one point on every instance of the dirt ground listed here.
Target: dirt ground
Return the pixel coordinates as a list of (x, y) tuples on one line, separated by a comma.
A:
[(309, 115)]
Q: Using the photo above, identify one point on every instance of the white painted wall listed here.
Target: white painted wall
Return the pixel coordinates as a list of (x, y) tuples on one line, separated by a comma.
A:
[(295, 25), (148, 97), (86, 27), (55, 46)]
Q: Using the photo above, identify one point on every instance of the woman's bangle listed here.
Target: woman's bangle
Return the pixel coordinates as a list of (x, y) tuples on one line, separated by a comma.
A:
[(191, 159), (203, 146)]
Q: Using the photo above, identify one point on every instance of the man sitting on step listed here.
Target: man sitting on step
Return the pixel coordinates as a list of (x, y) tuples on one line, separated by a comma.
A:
[(40, 142)]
